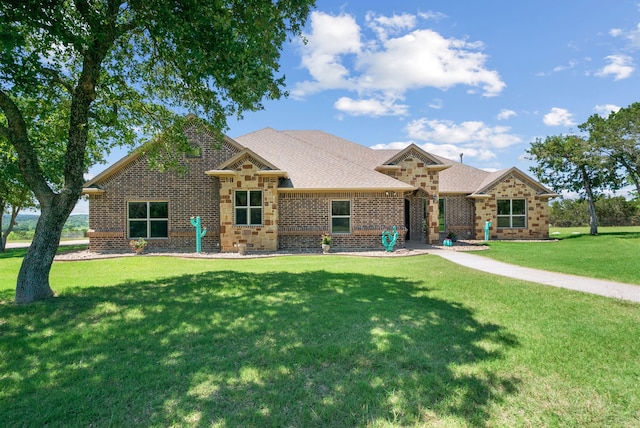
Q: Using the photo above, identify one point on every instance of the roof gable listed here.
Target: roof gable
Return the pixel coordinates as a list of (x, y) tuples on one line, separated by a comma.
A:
[(244, 156), (413, 151), (499, 176), (139, 153)]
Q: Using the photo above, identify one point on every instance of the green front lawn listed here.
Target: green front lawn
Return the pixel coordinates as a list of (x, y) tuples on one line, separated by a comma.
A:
[(312, 341), (613, 254)]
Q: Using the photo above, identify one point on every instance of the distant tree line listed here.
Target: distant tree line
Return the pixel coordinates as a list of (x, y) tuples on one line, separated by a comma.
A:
[(611, 211), (25, 226), (604, 156)]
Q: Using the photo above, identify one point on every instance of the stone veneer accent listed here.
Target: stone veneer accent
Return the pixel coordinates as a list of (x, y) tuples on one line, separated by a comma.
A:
[(513, 188), (414, 171), (304, 217), (135, 181), (256, 238)]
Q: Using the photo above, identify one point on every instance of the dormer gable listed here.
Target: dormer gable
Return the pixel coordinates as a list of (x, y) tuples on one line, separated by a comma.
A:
[(246, 157), (495, 178), (413, 152)]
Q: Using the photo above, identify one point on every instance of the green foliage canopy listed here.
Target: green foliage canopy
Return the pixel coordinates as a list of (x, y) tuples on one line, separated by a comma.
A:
[(569, 162), (78, 77), (618, 137)]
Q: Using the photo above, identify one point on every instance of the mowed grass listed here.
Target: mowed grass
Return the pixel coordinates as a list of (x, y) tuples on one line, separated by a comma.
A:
[(304, 341), (613, 254)]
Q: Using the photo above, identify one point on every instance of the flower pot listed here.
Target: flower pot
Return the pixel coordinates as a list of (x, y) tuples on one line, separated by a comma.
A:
[(325, 248), (139, 250), (242, 248)]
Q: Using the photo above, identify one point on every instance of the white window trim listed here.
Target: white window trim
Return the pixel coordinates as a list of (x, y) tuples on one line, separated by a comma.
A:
[(147, 219), (511, 215), (331, 216), (248, 208)]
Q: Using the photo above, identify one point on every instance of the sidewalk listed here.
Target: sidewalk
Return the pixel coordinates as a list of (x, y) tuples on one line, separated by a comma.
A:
[(62, 243), (579, 283)]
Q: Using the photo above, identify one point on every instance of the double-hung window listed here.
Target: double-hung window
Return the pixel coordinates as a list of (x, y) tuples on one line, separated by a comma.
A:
[(340, 216), (512, 213), (148, 219), (248, 207)]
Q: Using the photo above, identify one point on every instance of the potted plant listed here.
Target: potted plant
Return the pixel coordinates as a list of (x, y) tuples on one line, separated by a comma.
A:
[(326, 243), (452, 236), (138, 245)]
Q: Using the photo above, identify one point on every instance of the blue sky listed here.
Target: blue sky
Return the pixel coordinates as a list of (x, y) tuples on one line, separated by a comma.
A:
[(483, 78)]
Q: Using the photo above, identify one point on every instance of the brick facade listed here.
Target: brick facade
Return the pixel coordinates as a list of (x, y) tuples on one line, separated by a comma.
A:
[(189, 194), (459, 216), (304, 217)]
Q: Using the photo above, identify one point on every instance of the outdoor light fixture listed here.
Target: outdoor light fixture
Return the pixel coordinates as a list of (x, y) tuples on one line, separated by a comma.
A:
[(435, 198)]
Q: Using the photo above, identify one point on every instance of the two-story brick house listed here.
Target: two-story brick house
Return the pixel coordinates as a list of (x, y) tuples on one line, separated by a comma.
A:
[(281, 190)]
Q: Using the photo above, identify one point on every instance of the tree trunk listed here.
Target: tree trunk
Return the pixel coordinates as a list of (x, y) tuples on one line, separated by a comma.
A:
[(12, 223), (593, 218), (33, 278)]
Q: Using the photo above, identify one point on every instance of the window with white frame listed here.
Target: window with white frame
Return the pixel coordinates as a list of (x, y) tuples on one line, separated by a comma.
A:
[(148, 219), (248, 207), (340, 216), (512, 213)]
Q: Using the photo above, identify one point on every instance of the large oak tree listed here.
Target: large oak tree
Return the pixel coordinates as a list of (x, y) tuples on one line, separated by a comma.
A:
[(570, 162), (618, 137), (78, 77)]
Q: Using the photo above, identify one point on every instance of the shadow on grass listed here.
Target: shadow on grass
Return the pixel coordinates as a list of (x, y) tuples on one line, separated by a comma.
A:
[(238, 349), (10, 253)]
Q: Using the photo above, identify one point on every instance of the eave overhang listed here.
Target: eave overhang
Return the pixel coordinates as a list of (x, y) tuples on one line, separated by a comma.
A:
[(396, 190), (92, 191)]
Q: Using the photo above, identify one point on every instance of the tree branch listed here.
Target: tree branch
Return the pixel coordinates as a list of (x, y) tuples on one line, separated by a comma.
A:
[(58, 79)]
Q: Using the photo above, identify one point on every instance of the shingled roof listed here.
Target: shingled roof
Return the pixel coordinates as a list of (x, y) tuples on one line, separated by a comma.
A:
[(315, 160), (318, 160)]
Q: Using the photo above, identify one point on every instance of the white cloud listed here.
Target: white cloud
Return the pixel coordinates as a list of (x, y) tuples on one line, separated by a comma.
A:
[(632, 36), (370, 107), (568, 66), (616, 32), (330, 39), (605, 109), (400, 58), (436, 104), (423, 58), (620, 66), (446, 138), (436, 16), (558, 117), (386, 25), (506, 114), (449, 151), (474, 133)]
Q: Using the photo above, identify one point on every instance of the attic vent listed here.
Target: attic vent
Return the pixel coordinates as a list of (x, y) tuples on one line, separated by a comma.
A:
[(251, 159), (411, 155)]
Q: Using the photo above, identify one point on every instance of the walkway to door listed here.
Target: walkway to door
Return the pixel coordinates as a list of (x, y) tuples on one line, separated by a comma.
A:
[(573, 282)]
